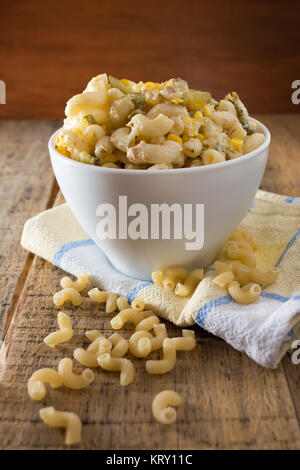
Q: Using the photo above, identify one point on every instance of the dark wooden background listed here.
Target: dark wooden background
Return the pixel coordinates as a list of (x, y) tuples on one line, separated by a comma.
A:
[(49, 49)]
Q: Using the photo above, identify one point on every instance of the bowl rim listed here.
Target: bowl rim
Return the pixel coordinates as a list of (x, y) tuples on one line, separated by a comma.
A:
[(170, 171)]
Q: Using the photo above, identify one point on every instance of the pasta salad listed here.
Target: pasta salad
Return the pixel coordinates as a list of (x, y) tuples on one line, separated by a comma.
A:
[(122, 124)]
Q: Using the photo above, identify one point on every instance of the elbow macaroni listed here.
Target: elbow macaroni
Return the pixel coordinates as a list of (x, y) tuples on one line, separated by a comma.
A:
[(173, 275), (163, 406), (65, 295), (79, 285), (167, 363), (178, 278), (127, 315), (234, 251), (147, 323), (63, 419), (244, 295), (140, 343), (36, 388), (71, 380), (120, 345), (125, 367), (99, 345), (64, 334), (138, 304), (187, 342), (122, 303), (102, 296), (241, 277), (190, 284)]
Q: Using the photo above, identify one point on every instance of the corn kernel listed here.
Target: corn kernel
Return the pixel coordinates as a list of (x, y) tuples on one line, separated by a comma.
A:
[(109, 159), (195, 105), (234, 95), (200, 137), (63, 150), (236, 143), (125, 81), (206, 111), (177, 100), (174, 137), (199, 116), (149, 85)]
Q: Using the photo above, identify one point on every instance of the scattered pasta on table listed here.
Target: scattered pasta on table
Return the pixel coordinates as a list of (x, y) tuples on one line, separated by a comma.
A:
[(235, 272), (163, 406)]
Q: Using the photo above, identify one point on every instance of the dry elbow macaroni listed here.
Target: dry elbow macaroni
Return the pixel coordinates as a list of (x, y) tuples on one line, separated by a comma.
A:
[(36, 388), (239, 275), (140, 343), (122, 124), (102, 296), (190, 283), (120, 345), (71, 380), (166, 364), (244, 295), (80, 284), (64, 334), (99, 345), (178, 279), (65, 295), (163, 406), (187, 342), (122, 303), (147, 323), (125, 367), (138, 304), (127, 315), (63, 419)]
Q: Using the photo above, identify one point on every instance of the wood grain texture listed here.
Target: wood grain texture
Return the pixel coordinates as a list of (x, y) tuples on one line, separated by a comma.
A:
[(50, 49), (282, 174), (25, 189), (229, 401)]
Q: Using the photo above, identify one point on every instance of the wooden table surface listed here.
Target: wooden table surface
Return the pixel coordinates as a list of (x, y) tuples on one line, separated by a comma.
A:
[(229, 401)]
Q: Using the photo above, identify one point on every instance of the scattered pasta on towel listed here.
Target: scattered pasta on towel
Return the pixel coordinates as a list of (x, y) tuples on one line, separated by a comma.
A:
[(237, 274)]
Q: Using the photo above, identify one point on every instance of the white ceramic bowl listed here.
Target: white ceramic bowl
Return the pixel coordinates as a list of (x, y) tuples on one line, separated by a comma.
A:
[(226, 190)]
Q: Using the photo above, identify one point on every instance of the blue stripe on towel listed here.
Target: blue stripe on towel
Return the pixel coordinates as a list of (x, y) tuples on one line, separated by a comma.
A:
[(288, 246), (69, 246), (206, 308), (289, 199), (226, 299), (133, 293), (281, 298)]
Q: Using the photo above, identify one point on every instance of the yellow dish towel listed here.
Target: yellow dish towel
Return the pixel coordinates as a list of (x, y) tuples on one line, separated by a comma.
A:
[(264, 330)]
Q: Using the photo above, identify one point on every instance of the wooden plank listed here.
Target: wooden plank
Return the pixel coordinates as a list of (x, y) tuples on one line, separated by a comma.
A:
[(27, 186), (50, 49), (282, 174), (292, 372)]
